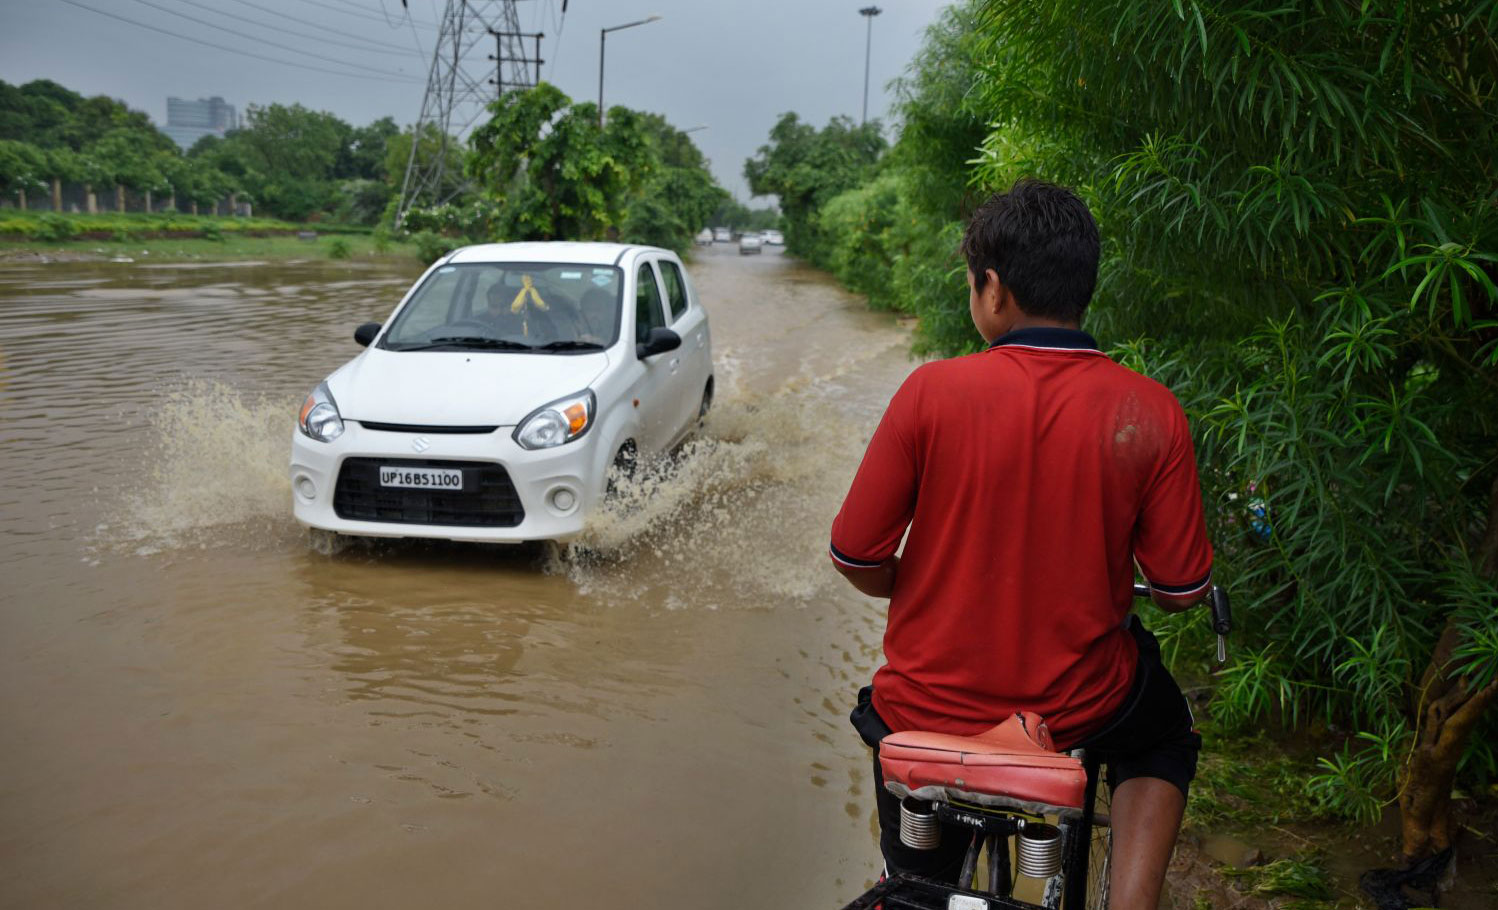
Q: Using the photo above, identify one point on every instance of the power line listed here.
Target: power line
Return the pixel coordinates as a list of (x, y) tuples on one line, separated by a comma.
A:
[(415, 37), (235, 50), (378, 46), (239, 34), (556, 49), (320, 25), (393, 26), (360, 12)]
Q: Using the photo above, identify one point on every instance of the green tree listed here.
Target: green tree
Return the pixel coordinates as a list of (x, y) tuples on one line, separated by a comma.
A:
[(553, 171), (432, 146), (363, 155), (23, 167), (1299, 202), (805, 167), (128, 158), (680, 195)]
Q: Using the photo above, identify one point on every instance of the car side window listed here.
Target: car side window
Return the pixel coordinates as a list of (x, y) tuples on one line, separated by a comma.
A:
[(648, 313), (440, 298), (676, 288)]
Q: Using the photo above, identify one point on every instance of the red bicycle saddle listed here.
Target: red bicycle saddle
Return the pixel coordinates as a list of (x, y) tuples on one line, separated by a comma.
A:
[(1013, 764)]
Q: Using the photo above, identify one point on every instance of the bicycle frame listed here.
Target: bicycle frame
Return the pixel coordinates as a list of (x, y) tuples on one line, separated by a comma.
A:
[(992, 828)]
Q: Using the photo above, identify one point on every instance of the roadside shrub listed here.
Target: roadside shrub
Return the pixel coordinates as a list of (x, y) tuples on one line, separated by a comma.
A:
[(431, 246), (339, 249), (212, 231), (55, 229), (381, 240), (1300, 238), (856, 227)]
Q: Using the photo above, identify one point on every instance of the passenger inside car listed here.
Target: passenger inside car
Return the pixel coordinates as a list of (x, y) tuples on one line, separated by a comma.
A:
[(598, 312)]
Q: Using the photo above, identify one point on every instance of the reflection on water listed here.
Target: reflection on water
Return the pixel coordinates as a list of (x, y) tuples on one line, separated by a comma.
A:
[(203, 709)]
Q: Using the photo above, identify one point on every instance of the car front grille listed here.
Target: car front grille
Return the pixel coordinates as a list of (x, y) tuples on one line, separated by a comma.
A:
[(487, 500), (423, 428)]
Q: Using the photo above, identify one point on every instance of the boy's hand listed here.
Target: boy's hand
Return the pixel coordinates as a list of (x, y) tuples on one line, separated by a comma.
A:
[(877, 581), (1172, 603)]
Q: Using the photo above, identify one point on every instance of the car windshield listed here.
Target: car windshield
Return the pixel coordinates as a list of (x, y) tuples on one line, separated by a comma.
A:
[(546, 308)]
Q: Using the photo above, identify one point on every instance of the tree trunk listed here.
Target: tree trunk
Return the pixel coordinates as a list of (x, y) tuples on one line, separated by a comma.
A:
[(56, 194), (148, 202), (22, 195), (93, 201), (119, 197), (194, 206), (1448, 709), (171, 201), (233, 204)]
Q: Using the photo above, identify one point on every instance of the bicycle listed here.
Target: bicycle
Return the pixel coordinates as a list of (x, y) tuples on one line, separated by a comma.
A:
[(1002, 784)]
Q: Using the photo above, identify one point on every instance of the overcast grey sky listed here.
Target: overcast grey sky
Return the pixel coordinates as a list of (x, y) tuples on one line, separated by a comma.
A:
[(732, 66)]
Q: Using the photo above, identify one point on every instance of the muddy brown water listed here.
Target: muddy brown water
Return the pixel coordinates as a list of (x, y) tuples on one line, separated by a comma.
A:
[(200, 709)]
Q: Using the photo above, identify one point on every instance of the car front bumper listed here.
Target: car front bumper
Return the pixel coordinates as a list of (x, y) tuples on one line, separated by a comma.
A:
[(540, 479)]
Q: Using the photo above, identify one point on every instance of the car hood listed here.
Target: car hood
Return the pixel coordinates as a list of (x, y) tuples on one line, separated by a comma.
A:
[(457, 388)]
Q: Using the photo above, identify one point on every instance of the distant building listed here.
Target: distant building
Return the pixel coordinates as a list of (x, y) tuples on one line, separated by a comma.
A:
[(189, 121)]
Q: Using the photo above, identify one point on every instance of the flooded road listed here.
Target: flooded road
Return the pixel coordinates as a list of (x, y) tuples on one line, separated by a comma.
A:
[(199, 709)]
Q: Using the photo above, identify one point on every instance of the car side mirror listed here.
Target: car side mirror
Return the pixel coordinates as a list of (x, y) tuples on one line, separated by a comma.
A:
[(658, 342), (366, 333)]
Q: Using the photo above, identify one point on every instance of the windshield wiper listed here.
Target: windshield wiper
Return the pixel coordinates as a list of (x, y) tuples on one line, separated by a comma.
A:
[(469, 341), (571, 344)]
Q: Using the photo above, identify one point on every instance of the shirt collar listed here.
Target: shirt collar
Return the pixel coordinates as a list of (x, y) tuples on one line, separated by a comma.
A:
[(1048, 337)]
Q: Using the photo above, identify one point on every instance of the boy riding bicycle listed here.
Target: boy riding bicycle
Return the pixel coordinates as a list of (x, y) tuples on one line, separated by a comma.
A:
[(1032, 478)]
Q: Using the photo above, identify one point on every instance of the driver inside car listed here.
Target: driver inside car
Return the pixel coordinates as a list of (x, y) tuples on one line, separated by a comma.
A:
[(515, 314)]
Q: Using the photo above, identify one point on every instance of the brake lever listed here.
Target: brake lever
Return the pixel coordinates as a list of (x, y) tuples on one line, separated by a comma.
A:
[(1222, 621)]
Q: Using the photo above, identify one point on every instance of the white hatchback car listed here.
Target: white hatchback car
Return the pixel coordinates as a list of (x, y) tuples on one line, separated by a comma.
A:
[(492, 404)]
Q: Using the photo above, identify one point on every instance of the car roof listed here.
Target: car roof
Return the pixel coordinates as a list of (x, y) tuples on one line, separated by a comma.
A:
[(550, 251)]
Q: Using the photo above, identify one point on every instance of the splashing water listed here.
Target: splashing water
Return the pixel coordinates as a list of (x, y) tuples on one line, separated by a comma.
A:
[(739, 513), (219, 472), (741, 510)]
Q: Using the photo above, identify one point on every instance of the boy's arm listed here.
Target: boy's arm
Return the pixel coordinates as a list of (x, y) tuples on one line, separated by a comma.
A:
[(875, 581), (881, 501), (1170, 537)]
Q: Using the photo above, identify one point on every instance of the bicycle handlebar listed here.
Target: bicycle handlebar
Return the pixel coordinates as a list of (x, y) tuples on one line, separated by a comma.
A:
[(1222, 615)]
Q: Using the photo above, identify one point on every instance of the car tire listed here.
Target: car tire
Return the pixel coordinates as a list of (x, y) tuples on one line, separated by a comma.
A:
[(707, 402), (626, 462)]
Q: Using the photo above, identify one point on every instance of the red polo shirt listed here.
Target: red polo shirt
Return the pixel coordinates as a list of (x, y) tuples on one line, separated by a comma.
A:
[(1031, 477)]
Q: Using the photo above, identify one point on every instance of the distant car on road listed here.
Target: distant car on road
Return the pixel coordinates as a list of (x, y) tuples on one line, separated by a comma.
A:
[(704, 237), (772, 238), (749, 242), (722, 235), (493, 402)]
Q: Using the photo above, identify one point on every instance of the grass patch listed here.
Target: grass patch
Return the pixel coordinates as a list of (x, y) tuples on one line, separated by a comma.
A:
[(59, 227), (215, 246), (1302, 877), (1247, 781)]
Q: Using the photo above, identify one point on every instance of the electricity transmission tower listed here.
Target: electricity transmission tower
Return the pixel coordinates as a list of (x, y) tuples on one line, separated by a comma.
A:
[(464, 77)]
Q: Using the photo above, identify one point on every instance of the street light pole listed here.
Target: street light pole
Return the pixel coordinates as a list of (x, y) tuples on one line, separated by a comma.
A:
[(868, 12), (602, 35)]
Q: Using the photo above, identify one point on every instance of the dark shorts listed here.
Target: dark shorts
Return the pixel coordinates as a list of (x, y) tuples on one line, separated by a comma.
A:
[(1152, 735)]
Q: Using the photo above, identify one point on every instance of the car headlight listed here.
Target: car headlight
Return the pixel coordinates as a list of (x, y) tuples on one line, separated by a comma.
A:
[(559, 422), (320, 418)]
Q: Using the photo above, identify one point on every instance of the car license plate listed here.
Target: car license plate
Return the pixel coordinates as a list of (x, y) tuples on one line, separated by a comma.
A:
[(421, 478)]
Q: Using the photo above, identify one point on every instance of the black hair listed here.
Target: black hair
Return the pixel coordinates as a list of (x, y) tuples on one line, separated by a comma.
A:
[(1042, 242)]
